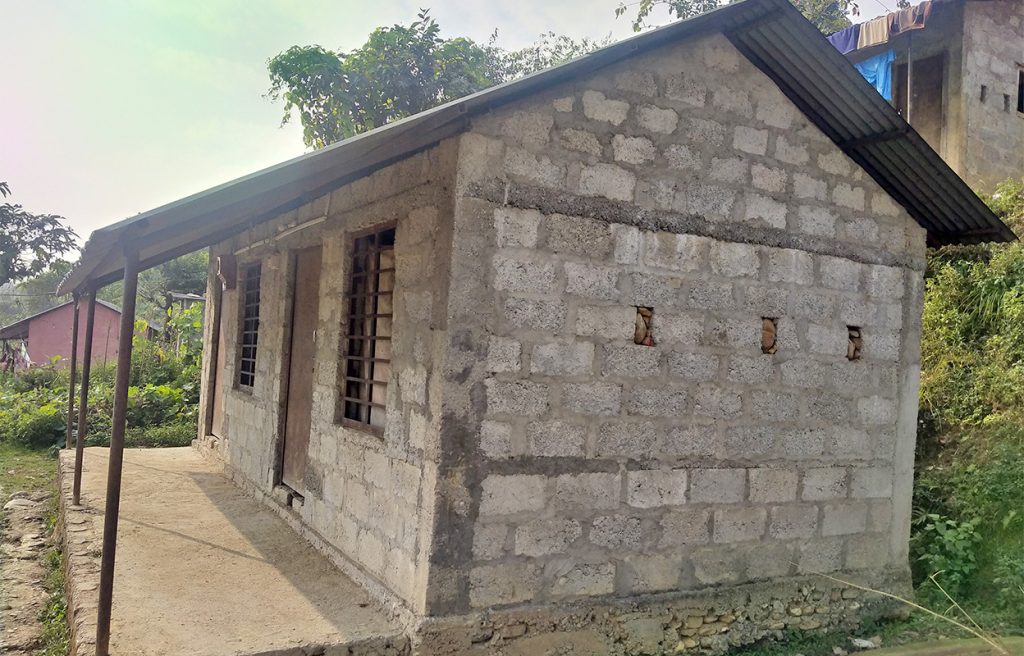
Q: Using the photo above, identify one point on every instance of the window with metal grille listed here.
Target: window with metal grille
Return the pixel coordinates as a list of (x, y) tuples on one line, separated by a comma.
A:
[(367, 361), (250, 325)]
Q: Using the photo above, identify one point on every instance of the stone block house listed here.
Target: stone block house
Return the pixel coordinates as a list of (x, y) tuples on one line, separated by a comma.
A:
[(618, 357), (966, 86)]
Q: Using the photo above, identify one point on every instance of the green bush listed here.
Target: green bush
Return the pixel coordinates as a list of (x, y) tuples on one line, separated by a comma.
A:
[(162, 397), (179, 433), (34, 378), (151, 405), (968, 527), (947, 549), (41, 426), (176, 434)]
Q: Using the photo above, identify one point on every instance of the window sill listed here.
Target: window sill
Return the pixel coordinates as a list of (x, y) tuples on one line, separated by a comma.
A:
[(376, 431)]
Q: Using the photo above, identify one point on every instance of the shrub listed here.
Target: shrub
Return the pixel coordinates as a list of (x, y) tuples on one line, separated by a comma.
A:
[(946, 548), (41, 426), (175, 434), (33, 378), (178, 433), (152, 405)]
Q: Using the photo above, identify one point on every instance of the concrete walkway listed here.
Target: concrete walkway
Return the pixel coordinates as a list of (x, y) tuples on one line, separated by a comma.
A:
[(202, 569)]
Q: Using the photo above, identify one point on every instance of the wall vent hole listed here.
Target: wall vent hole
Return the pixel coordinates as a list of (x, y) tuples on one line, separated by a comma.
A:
[(644, 331), (856, 342), (769, 335)]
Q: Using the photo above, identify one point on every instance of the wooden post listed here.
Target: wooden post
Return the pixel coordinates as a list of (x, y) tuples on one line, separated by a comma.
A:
[(910, 72), (73, 374), (83, 400), (116, 454)]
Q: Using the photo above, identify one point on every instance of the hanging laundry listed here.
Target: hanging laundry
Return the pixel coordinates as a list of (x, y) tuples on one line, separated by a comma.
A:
[(878, 71), (912, 18), (874, 31), (845, 40)]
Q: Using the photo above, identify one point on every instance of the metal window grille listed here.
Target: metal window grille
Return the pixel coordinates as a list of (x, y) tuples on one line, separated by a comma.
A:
[(367, 361), (250, 325)]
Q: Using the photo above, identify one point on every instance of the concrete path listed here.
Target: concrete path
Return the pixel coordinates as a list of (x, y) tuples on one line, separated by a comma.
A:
[(202, 569), (1013, 646)]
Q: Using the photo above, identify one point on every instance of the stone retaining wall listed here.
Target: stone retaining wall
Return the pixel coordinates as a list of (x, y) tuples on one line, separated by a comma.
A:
[(710, 622)]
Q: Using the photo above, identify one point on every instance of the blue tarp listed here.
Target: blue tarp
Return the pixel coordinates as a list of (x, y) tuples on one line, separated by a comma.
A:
[(878, 71)]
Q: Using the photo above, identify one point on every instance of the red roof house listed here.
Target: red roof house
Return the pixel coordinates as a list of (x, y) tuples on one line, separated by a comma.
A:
[(47, 335)]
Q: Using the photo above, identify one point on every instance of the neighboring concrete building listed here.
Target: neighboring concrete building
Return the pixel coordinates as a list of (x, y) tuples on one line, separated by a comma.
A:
[(966, 84), (616, 357), (47, 335)]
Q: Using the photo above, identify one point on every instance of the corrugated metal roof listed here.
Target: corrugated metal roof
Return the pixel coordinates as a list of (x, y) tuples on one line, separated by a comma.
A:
[(847, 109), (771, 33)]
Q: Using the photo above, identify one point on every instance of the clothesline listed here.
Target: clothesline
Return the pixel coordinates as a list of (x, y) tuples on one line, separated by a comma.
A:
[(879, 30), (878, 69)]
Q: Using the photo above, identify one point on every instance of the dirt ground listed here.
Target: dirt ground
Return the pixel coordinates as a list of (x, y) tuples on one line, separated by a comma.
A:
[(22, 572), (202, 569)]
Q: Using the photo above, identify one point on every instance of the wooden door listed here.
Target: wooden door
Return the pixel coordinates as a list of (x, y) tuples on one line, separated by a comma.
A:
[(301, 366), (217, 420)]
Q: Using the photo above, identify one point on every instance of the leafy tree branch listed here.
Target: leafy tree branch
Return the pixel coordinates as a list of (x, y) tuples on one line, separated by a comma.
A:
[(400, 70), (29, 242)]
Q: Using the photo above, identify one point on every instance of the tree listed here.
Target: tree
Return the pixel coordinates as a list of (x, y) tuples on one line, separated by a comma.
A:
[(400, 70), (29, 242), (829, 16), (186, 274)]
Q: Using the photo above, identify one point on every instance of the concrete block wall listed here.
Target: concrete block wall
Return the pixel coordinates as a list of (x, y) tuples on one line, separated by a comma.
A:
[(993, 54), (590, 466), (367, 497)]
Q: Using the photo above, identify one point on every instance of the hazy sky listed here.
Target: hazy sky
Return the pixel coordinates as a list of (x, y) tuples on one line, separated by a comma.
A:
[(113, 107)]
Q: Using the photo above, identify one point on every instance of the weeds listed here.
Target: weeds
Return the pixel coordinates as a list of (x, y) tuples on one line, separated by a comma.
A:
[(56, 639)]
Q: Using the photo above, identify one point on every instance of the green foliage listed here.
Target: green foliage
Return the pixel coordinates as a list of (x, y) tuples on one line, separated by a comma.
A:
[(827, 15), (152, 405), (400, 70), (969, 493), (29, 243), (947, 549), (162, 395), (56, 638), (39, 427)]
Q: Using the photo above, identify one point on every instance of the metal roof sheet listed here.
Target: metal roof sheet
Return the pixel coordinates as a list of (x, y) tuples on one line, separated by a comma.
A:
[(772, 34)]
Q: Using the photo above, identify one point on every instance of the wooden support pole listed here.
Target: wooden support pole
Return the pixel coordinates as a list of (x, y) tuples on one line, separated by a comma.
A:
[(116, 453), (83, 400), (910, 74), (73, 373)]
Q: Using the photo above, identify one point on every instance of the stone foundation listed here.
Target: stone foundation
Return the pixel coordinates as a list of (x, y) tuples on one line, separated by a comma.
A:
[(708, 622)]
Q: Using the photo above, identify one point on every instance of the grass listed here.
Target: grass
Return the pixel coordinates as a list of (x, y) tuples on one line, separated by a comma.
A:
[(918, 628), (56, 640), (25, 469)]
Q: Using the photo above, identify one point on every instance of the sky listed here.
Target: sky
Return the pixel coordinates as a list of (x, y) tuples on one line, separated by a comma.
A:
[(109, 108)]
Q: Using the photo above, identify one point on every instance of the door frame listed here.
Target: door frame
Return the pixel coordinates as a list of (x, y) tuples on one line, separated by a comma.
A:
[(215, 378), (291, 271)]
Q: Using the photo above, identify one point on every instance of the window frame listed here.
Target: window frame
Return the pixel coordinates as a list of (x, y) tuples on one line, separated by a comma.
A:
[(356, 388), (243, 372)]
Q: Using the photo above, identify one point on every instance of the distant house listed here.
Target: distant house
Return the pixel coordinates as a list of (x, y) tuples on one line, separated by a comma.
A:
[(48, 334), (966, 83)]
